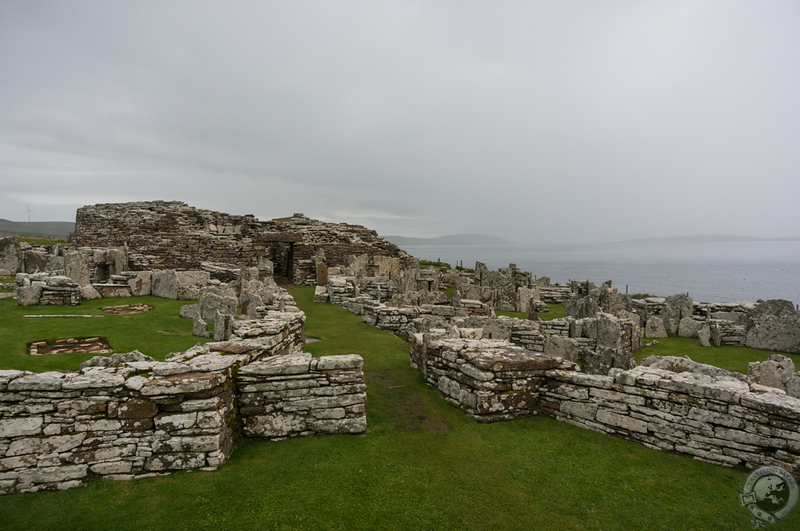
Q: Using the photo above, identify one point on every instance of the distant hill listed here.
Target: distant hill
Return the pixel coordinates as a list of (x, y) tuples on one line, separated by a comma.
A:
[(702, 238), (452, 239), (59, 230)]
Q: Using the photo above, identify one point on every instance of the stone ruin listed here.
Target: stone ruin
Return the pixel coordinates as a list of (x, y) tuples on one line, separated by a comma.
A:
[(173, 235), (127, 416), (667, 404), (578, 369), (768, 325)]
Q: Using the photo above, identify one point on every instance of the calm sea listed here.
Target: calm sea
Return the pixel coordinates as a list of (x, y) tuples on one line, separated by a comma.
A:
[(708, 271)]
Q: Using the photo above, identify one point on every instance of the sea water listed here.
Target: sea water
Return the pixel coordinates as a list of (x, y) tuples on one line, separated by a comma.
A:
[(707, 271)]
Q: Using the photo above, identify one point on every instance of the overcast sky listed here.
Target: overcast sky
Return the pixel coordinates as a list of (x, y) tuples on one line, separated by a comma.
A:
[(582, 121)]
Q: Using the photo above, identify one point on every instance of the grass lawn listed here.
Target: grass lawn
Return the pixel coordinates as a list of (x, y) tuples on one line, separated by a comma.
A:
[(727, 356), (421, 465), (155, 333), (556, 312)]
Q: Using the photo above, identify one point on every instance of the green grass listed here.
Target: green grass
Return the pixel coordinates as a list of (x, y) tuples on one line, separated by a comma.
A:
[(43, 241), (421, 465), (155, 333), (556, 312), (726, 356), (7, 284)]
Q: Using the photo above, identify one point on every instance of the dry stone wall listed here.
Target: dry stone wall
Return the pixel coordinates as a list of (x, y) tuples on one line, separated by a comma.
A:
[(174, 235), (297, 395), (128, 416), (716, 417)]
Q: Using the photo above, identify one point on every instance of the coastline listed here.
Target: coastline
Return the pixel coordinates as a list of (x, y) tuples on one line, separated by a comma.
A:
[(709, 272)]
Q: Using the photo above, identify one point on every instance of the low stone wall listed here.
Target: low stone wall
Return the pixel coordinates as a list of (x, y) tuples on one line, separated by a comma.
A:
[(721, 420), (141, 419), (297, 395), (489, 379), (144, 418), (398, 319), (717, 417)]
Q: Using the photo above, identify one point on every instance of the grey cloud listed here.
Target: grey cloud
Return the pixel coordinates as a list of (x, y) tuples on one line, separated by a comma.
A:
[(582, 121)]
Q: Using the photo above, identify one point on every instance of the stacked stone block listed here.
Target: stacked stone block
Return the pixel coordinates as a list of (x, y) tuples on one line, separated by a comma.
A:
[(490, 380), (173, 235), (131, 421), (144, 418), (297, 396), (713, 416)]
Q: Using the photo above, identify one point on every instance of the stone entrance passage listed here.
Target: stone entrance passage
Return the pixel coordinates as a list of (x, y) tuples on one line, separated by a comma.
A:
[(83, 345)]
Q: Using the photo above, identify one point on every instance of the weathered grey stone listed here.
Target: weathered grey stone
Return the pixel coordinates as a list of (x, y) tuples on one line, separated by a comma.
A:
[(775, 325), (565, 347), (76, 267), (52, 474), (199, 326), (655, 328), (165, 284), (223, 326), (182, 383), (112, 467), (279, 365), (10, 254), (580, 409), (90, 293), (18, 427), (29, 295), (685, 364), (45, 445), (276, 424), (677, 307), (177, 461), (690, 327), (189, 311), (704, 335), (191, 284), (321, 294), (793, 386), (141, 284), (603, 359), (92, 379), (621, 421), (211, 303), (775, 372), (581, 307), (45, 381), (346, 361)]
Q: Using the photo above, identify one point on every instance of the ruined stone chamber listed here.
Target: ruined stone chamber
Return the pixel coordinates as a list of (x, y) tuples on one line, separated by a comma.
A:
[(668, 404), (128, 416), (173, 235)]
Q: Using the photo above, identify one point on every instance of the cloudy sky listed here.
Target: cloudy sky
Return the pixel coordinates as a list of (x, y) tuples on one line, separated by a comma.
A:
[(582, 121)]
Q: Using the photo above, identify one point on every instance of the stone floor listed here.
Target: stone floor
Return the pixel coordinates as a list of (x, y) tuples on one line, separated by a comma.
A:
[(88, 345)]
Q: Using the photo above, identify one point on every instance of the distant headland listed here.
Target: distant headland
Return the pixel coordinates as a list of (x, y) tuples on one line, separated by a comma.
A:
[(703, 238), (452, 239)]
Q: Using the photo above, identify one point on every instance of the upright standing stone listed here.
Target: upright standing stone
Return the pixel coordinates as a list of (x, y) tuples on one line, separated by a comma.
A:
[(10, 255), (76, 266)]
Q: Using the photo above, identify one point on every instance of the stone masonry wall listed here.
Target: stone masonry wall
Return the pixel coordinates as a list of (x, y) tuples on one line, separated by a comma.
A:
[(174, 235), (718, 418), (144, 418), (297, 395), (136, 420)]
